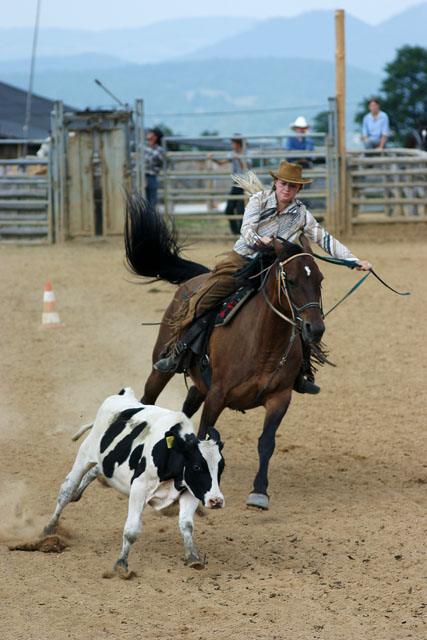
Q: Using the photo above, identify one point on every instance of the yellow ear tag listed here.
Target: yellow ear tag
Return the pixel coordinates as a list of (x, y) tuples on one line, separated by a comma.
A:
[(169, 441), (207, 436)]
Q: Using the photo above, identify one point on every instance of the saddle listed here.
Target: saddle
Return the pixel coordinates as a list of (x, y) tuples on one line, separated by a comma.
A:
[(193, 346)]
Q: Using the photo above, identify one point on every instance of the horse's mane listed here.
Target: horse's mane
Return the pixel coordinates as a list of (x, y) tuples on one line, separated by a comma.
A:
[(265, 257)]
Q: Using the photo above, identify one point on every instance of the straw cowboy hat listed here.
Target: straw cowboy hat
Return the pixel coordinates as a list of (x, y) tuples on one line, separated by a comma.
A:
[(290, 172), (300, 122)]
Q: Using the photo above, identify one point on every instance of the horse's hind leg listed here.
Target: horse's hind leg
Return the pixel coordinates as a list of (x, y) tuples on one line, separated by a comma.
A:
[(193, 401), (155, 384), (275, 410)]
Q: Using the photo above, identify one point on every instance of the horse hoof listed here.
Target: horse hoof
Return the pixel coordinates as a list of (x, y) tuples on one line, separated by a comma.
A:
[(259, 500)]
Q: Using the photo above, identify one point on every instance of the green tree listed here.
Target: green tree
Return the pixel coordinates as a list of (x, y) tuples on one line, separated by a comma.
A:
[(403, 92), (206, 132), (321, 122)]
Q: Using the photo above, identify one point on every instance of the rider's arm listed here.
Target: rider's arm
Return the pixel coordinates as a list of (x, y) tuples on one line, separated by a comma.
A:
[(325, 240), (331, 245), (250, 222)]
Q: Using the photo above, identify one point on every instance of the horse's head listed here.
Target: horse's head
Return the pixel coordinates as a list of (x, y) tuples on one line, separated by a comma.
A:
[(300, 286)]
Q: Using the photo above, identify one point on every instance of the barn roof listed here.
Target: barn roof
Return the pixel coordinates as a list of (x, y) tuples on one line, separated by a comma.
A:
[(12, 113)]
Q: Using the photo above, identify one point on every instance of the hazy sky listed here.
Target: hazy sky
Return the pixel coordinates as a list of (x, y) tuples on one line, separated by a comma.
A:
[(105, 14)]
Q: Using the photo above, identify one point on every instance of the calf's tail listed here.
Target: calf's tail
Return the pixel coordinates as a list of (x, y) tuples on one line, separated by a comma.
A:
[(152, 248), (82, 430)]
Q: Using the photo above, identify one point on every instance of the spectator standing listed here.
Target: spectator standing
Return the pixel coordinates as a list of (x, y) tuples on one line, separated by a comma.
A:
[(153, 157), (376, 126), (239, 165)]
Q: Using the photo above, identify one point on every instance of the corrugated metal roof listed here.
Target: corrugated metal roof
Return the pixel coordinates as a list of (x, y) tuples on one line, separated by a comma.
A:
[(12, 113)]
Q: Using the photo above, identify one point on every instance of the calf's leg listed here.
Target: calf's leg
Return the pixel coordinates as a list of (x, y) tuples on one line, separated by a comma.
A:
[(187, 507), (70, 487), (86, 480), (133, 524)]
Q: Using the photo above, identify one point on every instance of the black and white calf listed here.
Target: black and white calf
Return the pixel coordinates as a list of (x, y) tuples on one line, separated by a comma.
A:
[(153, 456)]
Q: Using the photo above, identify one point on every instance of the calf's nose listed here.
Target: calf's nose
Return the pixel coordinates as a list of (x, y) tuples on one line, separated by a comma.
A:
[(216, 503)]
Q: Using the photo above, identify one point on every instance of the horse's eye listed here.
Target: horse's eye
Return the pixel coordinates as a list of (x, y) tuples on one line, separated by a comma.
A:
[(291, 282), (197, 467)]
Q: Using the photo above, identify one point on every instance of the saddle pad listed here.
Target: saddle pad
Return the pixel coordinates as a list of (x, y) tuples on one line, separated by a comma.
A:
[(231, 305)]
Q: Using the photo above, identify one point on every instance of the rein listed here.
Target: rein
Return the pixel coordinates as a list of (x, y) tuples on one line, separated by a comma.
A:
[(296, 321), (351, 264)]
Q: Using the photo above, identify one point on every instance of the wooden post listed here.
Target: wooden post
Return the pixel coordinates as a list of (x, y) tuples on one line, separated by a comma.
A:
[(342, 218)]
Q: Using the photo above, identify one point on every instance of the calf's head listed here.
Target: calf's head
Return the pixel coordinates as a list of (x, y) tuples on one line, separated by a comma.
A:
[(199, 463)]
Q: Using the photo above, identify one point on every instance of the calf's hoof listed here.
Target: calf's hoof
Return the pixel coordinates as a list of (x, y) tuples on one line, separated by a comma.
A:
[(194, 563), (258, 500), (48, 531), (120, 571)]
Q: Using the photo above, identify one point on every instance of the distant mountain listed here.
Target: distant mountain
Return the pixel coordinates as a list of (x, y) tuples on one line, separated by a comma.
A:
[(79, 62), (153, 43), (312, 35), (247, 91), (308, 35)]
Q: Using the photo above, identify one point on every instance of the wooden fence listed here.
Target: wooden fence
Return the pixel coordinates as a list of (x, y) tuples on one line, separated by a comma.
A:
[(195, 189), (92, 157), (386, 187)]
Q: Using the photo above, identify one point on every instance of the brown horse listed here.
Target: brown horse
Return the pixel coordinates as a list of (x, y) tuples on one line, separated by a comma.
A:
[(254, 359)]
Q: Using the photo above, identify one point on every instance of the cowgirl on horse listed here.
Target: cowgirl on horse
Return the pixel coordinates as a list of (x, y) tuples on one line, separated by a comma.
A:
[(271, 213)]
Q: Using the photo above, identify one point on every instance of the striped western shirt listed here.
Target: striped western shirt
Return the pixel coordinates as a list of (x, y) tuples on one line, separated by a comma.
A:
[(261, 219)]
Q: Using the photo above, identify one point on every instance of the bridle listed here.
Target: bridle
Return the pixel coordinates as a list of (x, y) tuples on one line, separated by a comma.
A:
[(283, 288), (296, 321)]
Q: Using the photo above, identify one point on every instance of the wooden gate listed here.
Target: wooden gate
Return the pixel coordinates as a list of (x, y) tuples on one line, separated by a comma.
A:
[(91, 168)]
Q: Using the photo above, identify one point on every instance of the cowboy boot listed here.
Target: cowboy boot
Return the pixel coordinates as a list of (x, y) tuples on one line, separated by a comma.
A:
[(304, 385), (168, 364), (304, 382), (177, 361)]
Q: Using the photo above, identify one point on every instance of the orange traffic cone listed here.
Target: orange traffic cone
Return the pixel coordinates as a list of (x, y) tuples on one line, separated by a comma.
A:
[(50, 317)]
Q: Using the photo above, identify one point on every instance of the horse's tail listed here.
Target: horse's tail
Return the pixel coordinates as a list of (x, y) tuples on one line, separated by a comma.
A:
[(152, 249)]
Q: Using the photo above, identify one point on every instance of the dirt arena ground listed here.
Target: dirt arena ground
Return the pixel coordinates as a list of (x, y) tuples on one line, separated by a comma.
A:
[(342, 552)]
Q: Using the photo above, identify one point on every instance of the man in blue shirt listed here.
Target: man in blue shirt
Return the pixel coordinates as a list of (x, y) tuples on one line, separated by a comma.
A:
[(376, 127), (300, 142)]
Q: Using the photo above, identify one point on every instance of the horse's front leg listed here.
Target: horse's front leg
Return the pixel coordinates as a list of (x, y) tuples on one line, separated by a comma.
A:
[(276, 408), (214, 404)]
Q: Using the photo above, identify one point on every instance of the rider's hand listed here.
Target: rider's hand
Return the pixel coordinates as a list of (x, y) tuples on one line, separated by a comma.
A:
[(363, 265)]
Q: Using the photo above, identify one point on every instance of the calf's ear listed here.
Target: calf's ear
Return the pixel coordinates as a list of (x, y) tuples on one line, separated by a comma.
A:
[(175, 442), (176, 447)]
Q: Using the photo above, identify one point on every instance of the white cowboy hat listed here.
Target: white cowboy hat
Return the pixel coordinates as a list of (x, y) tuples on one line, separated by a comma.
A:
[(300, 122)]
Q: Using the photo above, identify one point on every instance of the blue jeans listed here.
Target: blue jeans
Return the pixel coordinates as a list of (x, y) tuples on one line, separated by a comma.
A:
[(151, 189), (371, 143)]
